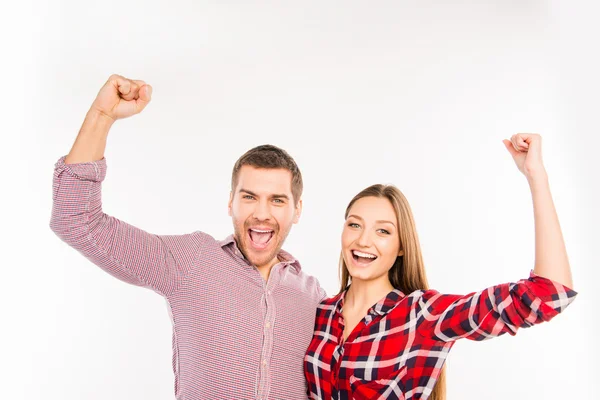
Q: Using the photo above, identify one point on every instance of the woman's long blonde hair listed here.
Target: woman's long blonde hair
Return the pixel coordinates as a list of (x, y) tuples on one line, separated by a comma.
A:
[(408, 272)]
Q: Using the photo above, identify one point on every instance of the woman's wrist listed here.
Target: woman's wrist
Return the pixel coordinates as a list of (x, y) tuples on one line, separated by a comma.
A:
[(537, 177)]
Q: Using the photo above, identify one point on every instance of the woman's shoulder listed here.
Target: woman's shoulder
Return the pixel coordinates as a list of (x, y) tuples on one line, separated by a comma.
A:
[(420, 296), (331, 301)]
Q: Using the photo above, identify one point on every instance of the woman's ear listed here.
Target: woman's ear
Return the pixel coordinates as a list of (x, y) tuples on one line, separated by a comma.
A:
[(400, 253)]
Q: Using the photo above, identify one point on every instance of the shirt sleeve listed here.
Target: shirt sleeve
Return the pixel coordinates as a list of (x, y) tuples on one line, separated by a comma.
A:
[(322, 293), (158, 262), (492, 312)]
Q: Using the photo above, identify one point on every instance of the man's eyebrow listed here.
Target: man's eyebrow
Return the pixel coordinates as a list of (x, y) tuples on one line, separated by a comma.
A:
[(247, 191), (274, 196), (379, 221)]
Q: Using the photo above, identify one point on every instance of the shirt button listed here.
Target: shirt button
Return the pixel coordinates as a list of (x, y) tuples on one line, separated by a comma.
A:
[(265, 362), (268, 325)]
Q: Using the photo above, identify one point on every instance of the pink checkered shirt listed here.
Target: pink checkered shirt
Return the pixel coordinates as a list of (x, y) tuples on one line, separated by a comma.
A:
[(235, 336)]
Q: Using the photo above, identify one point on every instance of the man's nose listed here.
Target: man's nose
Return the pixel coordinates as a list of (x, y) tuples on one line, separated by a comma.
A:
[(262, 212)]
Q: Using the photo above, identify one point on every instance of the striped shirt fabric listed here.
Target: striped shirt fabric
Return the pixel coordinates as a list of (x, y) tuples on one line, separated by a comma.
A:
[(235, 335), (397, 351)]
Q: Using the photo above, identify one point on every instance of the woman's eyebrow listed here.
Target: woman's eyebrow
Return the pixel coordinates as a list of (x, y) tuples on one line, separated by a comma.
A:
[(379, 221)]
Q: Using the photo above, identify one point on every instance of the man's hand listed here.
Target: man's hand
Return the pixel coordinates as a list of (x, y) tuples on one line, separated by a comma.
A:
[(121, 97)]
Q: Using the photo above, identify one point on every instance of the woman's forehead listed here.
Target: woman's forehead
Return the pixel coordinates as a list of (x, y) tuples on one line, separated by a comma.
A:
[(373, 208)]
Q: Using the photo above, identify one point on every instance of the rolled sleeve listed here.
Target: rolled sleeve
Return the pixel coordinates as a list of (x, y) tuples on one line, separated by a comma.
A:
[(545, 297), (493, 311), (94, 171)]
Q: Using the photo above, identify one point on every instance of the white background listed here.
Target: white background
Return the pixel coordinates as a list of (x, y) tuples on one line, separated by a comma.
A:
[(418, 94)]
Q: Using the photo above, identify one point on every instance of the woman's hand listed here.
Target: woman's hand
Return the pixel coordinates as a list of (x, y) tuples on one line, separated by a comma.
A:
[(526, 150)]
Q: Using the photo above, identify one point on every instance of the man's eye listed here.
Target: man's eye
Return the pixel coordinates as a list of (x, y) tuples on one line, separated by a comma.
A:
[(278, 201), (248, 197)]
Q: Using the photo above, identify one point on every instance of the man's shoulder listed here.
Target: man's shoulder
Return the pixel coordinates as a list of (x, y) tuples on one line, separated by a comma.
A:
[(306, 283), (192, 239), (194, 246)]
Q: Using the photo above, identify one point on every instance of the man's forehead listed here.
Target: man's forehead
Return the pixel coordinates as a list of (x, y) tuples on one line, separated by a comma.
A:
[(264, 180)]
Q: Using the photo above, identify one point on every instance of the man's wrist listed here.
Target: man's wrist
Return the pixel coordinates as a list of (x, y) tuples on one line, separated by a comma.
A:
[(96, 116)]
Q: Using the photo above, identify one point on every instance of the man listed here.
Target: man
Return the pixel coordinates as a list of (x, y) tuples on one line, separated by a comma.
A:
[(242, 309)]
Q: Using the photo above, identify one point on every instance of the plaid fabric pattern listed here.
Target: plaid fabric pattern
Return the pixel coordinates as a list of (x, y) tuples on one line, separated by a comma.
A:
[(397, 351), (235, 336)]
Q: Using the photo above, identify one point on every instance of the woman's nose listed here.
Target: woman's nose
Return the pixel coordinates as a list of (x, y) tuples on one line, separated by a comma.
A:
[(364, 240)]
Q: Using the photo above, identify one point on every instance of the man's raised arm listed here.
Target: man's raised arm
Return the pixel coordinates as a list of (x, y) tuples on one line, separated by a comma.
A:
[(126, 252)]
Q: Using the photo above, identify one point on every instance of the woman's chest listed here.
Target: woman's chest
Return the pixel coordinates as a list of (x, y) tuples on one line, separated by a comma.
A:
[(373, 350)]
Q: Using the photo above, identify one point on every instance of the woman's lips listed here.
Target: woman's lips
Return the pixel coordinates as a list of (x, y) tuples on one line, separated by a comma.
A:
[(362, 259)]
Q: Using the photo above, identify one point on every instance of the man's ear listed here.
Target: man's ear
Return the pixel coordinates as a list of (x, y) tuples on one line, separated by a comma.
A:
[(230, 204), (298, 211)]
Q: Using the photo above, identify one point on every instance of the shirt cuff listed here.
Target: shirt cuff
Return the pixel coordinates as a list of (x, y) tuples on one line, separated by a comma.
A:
[(553, 294), (94, 171)]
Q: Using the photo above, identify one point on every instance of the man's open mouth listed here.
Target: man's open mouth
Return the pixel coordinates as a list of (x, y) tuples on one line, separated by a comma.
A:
[(260, 238)]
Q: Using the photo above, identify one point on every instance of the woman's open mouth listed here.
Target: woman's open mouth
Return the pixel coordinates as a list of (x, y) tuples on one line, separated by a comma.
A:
[(363, 259), (260, 238)]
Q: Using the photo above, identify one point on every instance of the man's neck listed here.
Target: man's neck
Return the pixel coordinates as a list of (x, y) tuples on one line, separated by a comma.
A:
[(265, 270)]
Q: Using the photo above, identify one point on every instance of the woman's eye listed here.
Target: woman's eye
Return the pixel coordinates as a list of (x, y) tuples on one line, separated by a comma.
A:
[(385, 232), (353, 225)]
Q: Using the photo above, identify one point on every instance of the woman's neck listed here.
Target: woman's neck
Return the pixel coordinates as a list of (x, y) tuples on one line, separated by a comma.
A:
[(364, 294)]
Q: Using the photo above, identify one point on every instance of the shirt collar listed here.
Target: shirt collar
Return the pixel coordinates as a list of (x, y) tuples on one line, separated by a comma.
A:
[(284, 257), (382, 307), (386, 304)]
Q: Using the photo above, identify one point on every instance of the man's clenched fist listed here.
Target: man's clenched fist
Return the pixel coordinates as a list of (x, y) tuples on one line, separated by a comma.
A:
[(121, 97)]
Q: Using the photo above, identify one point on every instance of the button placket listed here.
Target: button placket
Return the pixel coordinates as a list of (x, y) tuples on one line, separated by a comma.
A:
[(269, 318)]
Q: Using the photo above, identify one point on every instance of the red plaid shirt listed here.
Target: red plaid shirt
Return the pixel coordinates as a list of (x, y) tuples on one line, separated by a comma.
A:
[(397, 351)]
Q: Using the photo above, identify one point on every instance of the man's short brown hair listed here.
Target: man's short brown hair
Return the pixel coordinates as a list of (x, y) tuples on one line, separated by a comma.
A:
[(269, 157)]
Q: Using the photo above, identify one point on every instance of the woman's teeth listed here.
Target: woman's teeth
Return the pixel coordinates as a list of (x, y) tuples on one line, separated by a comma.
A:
[(363, 259), (363, 255)]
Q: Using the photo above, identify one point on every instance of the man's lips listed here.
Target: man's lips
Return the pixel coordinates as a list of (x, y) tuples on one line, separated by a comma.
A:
[(260, 237)]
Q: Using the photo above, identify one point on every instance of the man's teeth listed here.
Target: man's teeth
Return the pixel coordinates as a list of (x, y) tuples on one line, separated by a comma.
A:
[(361, 254), (260, 230)]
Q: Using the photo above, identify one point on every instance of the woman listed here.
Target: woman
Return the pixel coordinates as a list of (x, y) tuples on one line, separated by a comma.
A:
[(386, 336)]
